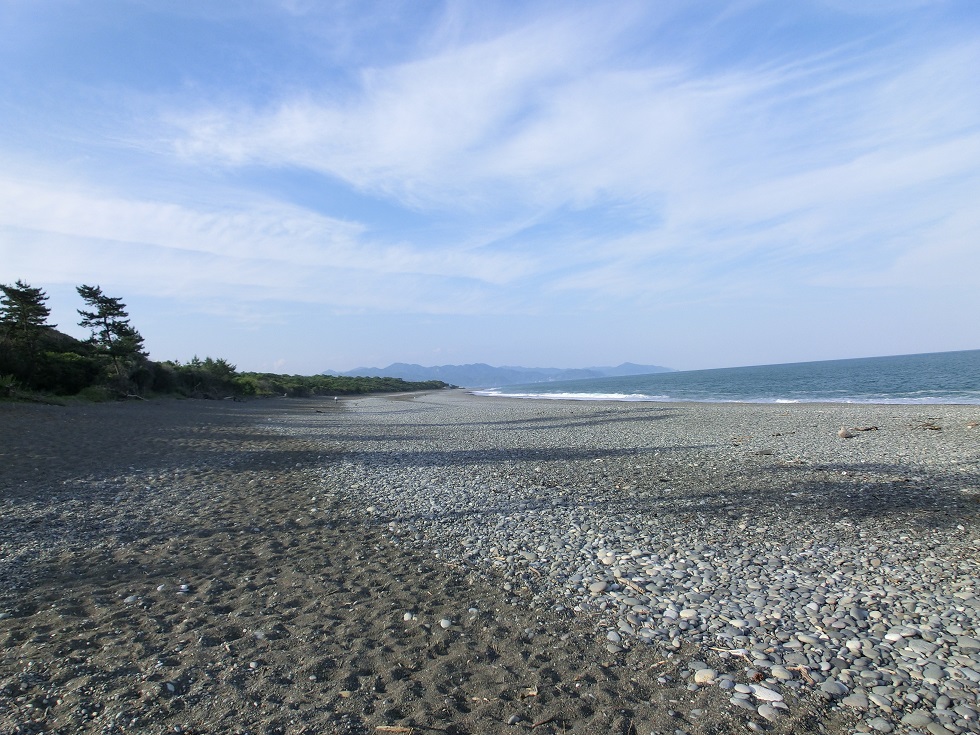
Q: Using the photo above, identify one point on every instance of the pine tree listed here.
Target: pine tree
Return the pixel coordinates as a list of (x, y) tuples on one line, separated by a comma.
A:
[(112, 333), (23, 320)]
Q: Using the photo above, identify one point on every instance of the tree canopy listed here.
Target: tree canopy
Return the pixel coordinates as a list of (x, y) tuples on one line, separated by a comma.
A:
[(112, 333), (112, 362), (23, 319)]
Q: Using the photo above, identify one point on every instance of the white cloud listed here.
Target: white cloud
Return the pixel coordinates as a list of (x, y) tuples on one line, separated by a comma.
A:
[(427, 132), (527, 122), (266, 230), (267, 245)]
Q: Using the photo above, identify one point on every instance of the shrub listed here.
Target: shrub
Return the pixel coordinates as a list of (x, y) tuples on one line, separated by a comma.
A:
[(96, 394), (8, 386), (65, 373)]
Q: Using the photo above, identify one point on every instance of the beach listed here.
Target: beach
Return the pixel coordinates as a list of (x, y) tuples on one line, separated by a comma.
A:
[(441, 562)]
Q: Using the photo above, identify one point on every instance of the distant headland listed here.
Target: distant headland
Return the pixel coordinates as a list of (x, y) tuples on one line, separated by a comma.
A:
[(480, 375)]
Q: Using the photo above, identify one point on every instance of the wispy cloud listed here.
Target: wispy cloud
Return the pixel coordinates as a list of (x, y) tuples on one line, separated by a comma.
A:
[(526, 123), (269, 246)]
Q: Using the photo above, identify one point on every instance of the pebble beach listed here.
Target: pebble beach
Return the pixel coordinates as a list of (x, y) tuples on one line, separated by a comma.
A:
[(454, 563)]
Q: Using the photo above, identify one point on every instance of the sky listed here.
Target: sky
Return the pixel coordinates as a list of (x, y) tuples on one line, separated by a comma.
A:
[(300, 185)]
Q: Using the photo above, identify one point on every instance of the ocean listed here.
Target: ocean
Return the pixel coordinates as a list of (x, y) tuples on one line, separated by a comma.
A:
[(940, 377)]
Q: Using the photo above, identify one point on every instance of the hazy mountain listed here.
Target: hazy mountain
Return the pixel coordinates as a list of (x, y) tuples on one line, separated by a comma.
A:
[(480, 375)]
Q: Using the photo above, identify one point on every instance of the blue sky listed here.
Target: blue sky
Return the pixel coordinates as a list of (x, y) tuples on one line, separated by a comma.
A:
[(296, 185)]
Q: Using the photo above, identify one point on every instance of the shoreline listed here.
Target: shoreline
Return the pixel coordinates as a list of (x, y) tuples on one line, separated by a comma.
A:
[(604, 398), (321, 526)]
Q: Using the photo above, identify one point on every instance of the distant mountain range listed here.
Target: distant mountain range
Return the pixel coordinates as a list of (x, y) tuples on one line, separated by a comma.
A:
[(480, 375)]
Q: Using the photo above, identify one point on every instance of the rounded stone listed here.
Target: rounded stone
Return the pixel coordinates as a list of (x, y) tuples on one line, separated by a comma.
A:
[(766, 694), (780, 672), (880, 724), (705, 676), (833, 688), (768, 712), (856, 701)]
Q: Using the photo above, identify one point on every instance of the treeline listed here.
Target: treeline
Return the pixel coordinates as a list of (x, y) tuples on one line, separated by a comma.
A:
[(36, 358), (209, 378)]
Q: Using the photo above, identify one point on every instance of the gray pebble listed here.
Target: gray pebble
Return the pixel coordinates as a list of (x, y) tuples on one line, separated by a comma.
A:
[(860, 605), (742, 703), (856, 701), (766, 711), (880, 724)]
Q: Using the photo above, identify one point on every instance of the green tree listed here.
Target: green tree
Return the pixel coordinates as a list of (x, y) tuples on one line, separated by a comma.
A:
[(112, 333), (23, 320)]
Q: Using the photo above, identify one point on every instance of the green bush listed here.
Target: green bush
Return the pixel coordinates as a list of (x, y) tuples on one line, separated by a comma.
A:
[(65, 373), (163, 377), (34, 356), (246, 385), (96, 394), (8, 386)]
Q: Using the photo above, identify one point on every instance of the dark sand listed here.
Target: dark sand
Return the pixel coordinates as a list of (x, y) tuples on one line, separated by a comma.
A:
[(290, 622)]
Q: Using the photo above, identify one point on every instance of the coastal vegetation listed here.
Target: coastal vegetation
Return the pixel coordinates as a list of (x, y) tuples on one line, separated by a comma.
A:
[(37, 360)]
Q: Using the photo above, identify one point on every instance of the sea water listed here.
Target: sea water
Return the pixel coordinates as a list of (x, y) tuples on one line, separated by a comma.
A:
[(941, 377)]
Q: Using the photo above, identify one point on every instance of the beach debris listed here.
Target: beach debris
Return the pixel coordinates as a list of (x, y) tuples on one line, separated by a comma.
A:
[(844, 433), (864, 428), (804, 672), (393, 728), (740, 652), (631, 584), (973, 424)]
